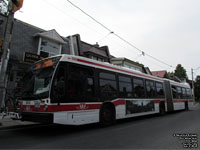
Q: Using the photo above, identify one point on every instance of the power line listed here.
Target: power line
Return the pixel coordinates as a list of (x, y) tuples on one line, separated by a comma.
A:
[(121, 38), (61, 11), (160, 61), (104, 37), (90, 16), (100, 40)]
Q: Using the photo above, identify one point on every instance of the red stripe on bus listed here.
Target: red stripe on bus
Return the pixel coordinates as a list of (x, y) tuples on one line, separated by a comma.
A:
[(108, 67), (179, 100), (57, 108), (174, 101), (72, 107), (158, 101), (119, 102)]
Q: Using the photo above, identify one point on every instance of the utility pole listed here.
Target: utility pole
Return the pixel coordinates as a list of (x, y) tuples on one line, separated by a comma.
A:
[(193, 85), (13, 6), (5, 47)]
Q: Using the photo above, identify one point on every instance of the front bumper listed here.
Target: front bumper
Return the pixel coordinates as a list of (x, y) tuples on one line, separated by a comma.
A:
[(37, 117)]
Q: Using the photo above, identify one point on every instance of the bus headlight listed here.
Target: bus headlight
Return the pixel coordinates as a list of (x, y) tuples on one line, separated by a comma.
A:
[(45, 107)]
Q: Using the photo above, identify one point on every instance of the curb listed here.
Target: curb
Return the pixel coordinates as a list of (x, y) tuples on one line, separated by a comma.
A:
[(15, 127), (18, 126), (196, 104), (12, 124)]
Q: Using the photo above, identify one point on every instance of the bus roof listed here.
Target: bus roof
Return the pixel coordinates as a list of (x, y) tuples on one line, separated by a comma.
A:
[(111, 67), (107, 66)]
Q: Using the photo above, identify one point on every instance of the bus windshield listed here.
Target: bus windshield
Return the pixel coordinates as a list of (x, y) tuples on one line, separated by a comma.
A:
[(38, 84), (42, 80)]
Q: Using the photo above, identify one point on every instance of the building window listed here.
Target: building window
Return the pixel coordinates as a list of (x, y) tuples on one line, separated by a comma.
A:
[(48, 48), (131, 67), (97, 58), (44, 54), (100, 59)]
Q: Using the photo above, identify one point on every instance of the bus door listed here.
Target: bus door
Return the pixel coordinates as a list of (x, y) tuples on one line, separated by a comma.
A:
[(168, 95), (58, 89)]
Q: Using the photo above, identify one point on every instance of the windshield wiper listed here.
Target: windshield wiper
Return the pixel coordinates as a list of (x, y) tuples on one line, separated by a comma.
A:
[(36, 97), (30, 95)]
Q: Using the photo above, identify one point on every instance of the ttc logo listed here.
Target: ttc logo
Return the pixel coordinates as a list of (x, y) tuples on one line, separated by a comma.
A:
[(82, 106)]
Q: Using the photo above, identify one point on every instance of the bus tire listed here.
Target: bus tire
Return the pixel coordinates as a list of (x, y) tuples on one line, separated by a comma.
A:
[(107, 115), (162, 110), (186, 106)]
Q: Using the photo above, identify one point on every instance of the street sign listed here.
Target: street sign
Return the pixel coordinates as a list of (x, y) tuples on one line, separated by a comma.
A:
[(31, 58)]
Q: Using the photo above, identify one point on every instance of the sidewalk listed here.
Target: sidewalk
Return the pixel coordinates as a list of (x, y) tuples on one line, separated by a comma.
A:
[(195, 106), (8, 122)]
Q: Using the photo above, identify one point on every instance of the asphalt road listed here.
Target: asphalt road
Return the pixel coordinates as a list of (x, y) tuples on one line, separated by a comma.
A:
[(149, 132)]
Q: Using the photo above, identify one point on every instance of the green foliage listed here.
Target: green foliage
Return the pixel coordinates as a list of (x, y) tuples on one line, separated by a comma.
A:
[(170, 74), (197, 89), (180, 72)]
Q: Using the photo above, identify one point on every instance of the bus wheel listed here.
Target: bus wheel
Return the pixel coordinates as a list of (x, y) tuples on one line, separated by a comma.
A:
[(107, 116), (162, 109), (186, 106)]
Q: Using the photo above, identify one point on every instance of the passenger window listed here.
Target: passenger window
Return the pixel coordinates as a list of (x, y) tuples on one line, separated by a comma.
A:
[(138, 88), (179, 92), (159, 90), (108, 86), (184, 93), (174, 93), (125, 87), (189, 95), (80, 84), (150, 89)]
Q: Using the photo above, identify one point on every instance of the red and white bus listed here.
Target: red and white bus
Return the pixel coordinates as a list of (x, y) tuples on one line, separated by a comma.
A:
[(73, 90)]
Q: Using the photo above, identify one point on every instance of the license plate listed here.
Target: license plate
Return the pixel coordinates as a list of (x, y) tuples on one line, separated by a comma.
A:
[(28, 102), (28, 108), (37, 104)]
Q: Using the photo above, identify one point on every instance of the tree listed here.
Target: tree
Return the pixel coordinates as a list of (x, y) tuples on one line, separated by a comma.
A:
[(197, 89), (180, 72), (170, 75)]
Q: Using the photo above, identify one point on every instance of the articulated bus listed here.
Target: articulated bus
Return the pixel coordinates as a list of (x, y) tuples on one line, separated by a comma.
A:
[(73, 90)]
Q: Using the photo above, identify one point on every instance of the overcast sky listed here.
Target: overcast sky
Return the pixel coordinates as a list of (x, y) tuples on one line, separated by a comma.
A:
[(166, 29)]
